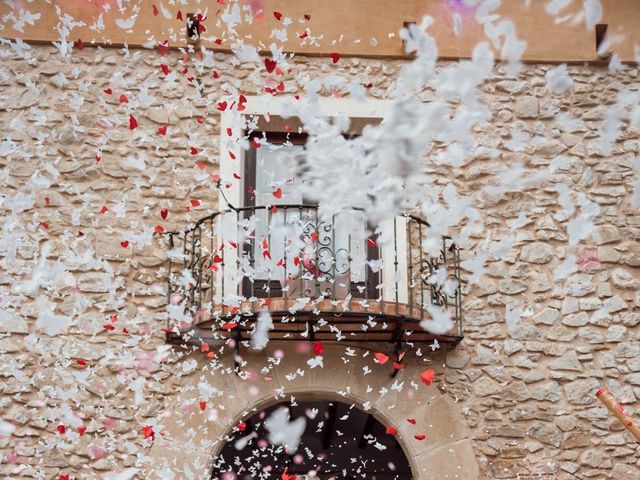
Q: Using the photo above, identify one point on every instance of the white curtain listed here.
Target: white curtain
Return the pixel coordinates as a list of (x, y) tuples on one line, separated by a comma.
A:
[(340, 246), (276, 184)]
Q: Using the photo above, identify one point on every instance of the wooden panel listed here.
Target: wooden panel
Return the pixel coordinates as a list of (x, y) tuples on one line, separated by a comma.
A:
[(346, 27)]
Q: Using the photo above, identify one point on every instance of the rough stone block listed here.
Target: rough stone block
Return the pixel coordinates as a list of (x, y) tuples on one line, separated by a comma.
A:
[(526, 107), (606, 234), (582, 392), (569, 361), (537, 252)]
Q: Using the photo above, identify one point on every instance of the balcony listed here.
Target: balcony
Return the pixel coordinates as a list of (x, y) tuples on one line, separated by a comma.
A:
[(320, 279)]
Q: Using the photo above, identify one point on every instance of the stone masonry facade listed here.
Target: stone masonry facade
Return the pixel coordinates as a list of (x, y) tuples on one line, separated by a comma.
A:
[(80, 190)]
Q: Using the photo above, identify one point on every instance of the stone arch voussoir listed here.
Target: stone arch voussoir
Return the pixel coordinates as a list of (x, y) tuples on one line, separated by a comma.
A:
[(191, 438)]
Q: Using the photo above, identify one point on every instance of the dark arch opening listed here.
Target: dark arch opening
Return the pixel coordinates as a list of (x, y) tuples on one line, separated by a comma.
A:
[(338, 441)]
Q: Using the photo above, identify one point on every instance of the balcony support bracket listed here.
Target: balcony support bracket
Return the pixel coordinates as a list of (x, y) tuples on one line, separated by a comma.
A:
[(398, 334), (236, 357)]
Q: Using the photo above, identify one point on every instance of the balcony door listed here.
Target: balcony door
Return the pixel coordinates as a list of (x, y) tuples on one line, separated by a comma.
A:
[(295, 253)]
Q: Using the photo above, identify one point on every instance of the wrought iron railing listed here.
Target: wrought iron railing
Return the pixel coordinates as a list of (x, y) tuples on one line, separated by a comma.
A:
[(321, 278)]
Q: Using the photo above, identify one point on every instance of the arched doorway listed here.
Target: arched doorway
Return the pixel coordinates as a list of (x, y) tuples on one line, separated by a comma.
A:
[(336, 441), (191, 438)]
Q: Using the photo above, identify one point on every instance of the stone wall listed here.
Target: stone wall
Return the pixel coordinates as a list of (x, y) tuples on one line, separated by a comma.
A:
[(82, 292)]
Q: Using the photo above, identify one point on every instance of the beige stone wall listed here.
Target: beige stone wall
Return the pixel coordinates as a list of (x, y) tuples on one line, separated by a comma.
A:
[(526, 392)]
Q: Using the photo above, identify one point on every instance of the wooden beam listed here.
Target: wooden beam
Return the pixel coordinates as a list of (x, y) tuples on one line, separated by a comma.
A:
[(547, 39)]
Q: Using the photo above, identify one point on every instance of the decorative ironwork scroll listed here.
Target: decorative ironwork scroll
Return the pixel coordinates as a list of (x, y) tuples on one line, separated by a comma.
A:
[(288, 253)]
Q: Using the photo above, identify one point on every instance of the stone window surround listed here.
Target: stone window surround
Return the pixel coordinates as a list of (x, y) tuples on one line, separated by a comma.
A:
[(282, 106)]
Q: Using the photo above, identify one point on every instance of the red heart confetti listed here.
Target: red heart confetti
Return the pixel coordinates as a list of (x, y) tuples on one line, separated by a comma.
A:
[(427, 377), (164, 47), (241, 103), (381, 358), (270, 64), (288, 476), (148, 432)]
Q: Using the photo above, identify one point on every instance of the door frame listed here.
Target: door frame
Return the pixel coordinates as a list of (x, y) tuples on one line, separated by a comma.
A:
[(232, 161)]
